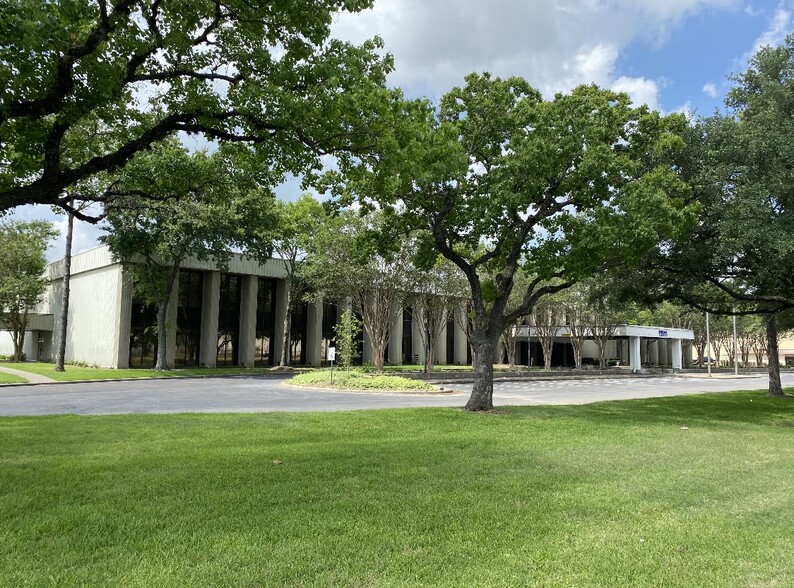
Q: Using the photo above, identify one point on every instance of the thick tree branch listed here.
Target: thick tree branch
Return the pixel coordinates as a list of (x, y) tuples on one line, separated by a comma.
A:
[(52, 100)]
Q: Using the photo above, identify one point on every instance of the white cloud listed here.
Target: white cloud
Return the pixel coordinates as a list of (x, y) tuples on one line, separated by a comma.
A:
[(641, 90), (84, 237), (554, 45), (779, 27), (710, 90)]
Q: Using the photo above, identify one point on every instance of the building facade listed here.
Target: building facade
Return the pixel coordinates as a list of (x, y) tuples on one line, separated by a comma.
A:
[(236, 317)]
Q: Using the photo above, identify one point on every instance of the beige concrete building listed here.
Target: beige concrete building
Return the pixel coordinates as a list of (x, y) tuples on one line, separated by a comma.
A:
[(230, 317), (236, 317)]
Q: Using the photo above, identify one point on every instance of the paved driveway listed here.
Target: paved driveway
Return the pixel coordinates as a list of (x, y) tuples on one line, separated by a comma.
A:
[(270, 393)]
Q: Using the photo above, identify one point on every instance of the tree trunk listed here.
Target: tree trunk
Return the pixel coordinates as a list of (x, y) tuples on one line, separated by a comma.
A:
[(577, 355), (548, 347), (378, 352), (510, 351), (775, 386), (67, 277), (482, 391), (285, 341), (162, 329), (430, 348), (162, 359), (19, 335)]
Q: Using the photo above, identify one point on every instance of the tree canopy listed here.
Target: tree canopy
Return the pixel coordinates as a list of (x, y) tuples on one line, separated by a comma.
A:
[(296, 224), (22, 279), (133, 72), (501, 178), (740, 254), (351, 261), (170, 204)]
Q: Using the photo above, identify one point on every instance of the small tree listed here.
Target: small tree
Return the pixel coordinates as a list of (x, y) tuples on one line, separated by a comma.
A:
[(510, 340), (433, 293), (510, 332), (546, 323), (347, 331), (575, 309), (351, 260), (170, 204), (22, 281), (462, 315), (603, 324), (296, 224), (721, 337), (758, 344)]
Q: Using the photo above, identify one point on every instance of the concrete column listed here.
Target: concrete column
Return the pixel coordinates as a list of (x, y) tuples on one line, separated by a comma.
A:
[(396, 337), (418, 340), (653, 352), (635, 353), (210, 301), (314, 334), (461, 341), (368, 355), (123, 323), (677, 355), (170, 324), (249, 290), (687, 351), (280, 314), (441, 344), (31, 346)]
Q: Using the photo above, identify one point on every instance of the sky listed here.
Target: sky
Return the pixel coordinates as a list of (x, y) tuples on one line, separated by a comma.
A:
[(674, 55)]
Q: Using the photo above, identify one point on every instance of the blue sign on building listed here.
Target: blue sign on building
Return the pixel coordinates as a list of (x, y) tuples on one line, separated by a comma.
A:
[(662, 333)]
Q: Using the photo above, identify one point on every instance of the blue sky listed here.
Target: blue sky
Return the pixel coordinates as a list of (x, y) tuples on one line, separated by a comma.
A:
[(663, 52), (674, 55)]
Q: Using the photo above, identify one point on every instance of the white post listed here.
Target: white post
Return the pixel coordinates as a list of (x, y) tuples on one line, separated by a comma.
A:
[(708, 345), (249, 289), (441, 344), (735, 350)]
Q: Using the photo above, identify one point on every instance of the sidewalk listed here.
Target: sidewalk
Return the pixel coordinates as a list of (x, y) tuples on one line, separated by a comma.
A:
[(32, 378)]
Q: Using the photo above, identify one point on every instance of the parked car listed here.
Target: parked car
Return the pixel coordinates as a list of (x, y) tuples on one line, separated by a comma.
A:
[(706, 361)]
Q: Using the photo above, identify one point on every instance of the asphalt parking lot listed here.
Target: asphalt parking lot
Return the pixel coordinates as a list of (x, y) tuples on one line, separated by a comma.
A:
[(272, 394)]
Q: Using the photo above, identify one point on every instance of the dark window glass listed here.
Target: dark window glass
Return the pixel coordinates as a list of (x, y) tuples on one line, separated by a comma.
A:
[(265, 321), (188, 320), (143, 334), (229, 320)]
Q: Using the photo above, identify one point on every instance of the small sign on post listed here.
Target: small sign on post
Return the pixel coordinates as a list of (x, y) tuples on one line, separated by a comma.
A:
[(331, 358)]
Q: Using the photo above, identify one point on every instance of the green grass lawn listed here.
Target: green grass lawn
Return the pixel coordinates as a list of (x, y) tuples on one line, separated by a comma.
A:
[(610, 494), (358, 379), (10, 379), (75, 373)]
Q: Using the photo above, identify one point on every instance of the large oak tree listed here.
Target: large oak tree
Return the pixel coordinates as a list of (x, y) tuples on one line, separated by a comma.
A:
[(250, 72), (739, 256), (502, 179)]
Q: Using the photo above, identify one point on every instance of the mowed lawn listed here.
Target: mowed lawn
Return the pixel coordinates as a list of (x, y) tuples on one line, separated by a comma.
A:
[(611, 494), (74, 373)]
